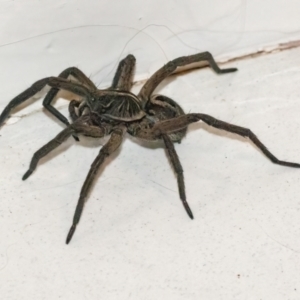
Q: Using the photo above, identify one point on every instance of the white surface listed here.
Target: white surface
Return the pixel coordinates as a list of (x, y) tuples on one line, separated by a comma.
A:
[(134, 240)]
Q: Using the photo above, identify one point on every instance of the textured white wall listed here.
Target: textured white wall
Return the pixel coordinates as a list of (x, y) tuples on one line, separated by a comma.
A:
[(97, 33)]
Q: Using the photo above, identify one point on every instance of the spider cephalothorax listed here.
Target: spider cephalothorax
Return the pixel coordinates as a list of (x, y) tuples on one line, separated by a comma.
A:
[(116, 110)]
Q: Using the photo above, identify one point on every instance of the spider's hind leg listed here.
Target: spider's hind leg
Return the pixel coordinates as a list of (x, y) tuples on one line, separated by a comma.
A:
[(166, 128), (183, 121)]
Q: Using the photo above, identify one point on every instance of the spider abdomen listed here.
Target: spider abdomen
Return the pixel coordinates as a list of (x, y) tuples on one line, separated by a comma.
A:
[(162, 108)]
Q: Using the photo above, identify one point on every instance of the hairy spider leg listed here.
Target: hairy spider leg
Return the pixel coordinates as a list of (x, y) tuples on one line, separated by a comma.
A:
[(112, 145), (123, 78), (174, 159), (122, 81), (93, 131), (165, 128), (78, 75), (183, 121), (170, 68), (55, 82), (78, 128)]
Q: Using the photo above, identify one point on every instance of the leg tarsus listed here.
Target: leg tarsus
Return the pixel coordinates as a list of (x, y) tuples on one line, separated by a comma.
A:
[(54, 143), (27, 174), (188, 210), (203, 56), (70, 234), (245, 132)]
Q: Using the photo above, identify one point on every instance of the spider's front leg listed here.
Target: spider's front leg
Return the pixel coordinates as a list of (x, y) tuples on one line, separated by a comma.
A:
[(170, 68), (77, 127), (54, 82), (123, 78), (122, 81), (80, 77)]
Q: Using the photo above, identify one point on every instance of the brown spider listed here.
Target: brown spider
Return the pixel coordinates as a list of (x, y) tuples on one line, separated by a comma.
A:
[(116, 110)]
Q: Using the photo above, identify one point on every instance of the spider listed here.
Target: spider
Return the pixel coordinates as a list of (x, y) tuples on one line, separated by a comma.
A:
[(115, 110)]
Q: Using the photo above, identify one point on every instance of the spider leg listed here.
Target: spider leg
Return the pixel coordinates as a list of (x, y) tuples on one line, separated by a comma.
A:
[(171, 67), (123, 78), (173, 125), (74, 128), (78, 75), (55, 82), (178, 170), (111, 146), (72, 111)]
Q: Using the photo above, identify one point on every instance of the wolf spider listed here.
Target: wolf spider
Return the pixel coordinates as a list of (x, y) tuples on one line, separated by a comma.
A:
[(115, 110)]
